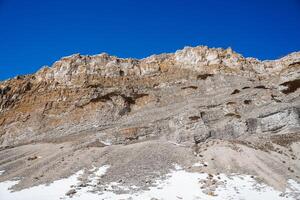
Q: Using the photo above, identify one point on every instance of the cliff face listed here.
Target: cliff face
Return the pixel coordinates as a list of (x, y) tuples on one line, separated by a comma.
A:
[(83, 92), (191, 97)]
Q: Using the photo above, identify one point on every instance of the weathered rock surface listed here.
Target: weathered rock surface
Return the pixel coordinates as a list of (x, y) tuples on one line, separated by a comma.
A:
[(92, 106)]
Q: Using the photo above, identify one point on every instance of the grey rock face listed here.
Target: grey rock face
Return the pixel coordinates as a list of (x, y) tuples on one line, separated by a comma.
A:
[(219, 88), (252, 125), (282, 119)]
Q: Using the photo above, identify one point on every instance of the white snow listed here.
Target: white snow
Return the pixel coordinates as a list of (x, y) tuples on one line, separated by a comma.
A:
[(1, 172), (56, 190), (102, 170), (199, 164), (179, 184), (52, 192), (106, 142), (177, 144), (245, 187), (177, 167)]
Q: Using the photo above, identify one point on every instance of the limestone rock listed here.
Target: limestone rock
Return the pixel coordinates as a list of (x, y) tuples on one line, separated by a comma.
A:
[(86, 91), (141, 116)]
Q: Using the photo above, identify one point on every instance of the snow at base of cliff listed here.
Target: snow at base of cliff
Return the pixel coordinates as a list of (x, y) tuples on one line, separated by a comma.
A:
[(178, 184)]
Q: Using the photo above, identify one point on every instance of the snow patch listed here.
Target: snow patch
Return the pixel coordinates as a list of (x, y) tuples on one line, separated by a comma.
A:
[(52, 192), (177, 167), (179, 184), (199, 164), (102, 170), (107, 143)]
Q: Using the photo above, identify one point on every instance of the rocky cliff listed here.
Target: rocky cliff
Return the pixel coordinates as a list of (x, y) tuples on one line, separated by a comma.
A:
[(177, 107)]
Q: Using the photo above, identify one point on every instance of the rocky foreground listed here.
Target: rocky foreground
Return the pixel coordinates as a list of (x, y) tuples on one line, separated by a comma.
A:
[(207, 110)]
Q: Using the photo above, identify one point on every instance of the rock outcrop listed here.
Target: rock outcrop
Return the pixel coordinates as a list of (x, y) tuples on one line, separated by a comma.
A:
[(83, 92), (187, 98)]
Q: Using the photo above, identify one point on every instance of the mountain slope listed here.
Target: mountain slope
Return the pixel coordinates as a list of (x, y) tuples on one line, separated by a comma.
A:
[(197, 105)]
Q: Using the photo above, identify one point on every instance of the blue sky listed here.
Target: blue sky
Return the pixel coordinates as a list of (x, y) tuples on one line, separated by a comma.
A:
[(34, 33)]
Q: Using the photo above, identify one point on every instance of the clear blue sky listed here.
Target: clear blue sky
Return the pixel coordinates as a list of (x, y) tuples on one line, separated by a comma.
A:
[(34, 33)]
